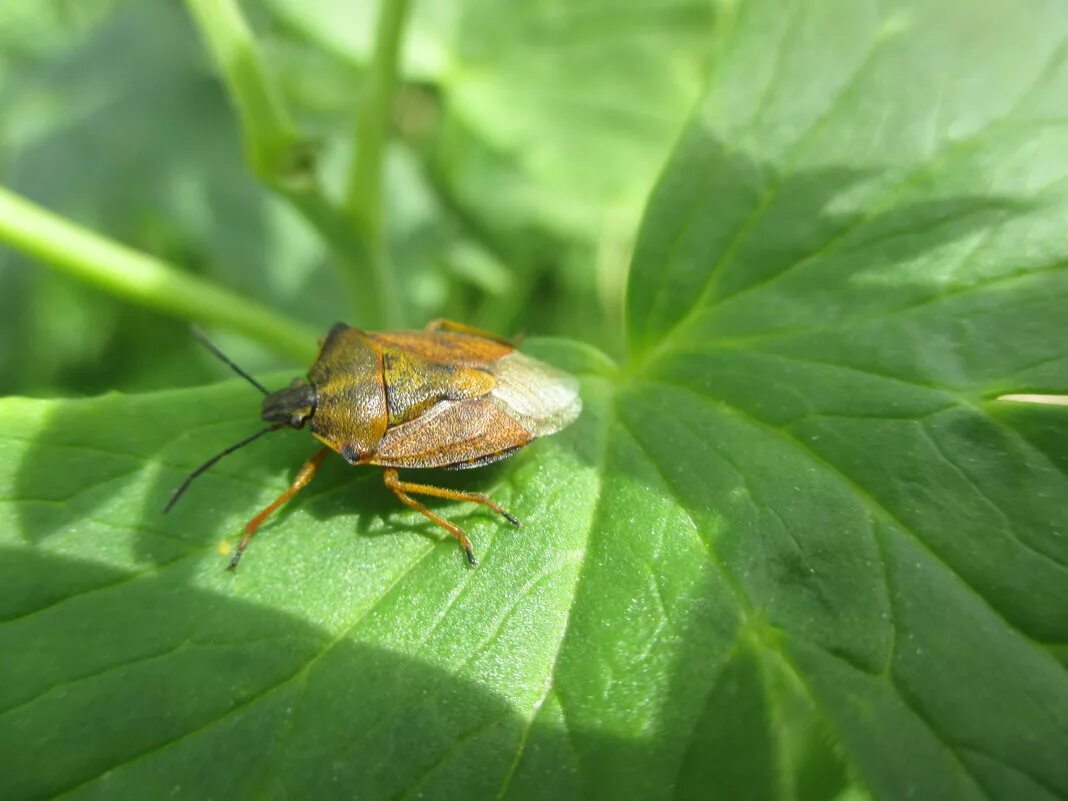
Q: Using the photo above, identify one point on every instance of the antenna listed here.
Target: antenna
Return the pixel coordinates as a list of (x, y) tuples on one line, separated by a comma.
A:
[(211, 346), (189, 479)]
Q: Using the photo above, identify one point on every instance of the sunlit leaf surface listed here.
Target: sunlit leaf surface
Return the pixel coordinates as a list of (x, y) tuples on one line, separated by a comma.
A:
[(794, 548)]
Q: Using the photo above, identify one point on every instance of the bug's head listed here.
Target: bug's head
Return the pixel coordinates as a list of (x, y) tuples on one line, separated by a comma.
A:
[(292, 406)]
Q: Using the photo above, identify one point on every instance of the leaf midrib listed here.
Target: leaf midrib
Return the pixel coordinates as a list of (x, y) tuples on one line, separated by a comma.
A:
[(869, 501), (771, 640)]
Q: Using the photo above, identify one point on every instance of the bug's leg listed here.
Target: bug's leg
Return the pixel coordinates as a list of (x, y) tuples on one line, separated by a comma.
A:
[(304, 477), (462, 328), (398, 487), (458, 495)]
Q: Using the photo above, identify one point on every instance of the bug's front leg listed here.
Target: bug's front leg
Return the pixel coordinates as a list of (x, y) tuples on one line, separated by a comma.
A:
[(304, 477), (402, 488)]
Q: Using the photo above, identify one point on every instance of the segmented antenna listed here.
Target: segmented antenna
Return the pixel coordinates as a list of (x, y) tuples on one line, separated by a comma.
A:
[(189, 479), (211, 346)]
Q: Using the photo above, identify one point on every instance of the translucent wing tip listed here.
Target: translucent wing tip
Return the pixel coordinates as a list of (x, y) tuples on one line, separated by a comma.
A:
[(540, 397)]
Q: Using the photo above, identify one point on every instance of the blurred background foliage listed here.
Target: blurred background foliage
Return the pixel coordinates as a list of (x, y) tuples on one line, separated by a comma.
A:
[(525, 135)]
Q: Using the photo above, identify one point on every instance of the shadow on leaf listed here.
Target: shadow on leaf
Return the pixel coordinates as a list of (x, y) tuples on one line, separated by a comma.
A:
[(147, 687)]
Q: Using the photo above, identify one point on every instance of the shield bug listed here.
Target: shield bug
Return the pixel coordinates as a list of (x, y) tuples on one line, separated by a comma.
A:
[(447, 396)]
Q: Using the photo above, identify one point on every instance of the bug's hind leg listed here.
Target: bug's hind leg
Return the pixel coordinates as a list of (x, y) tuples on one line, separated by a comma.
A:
[(396, 485), (304, 477), (452, 495), (402, 488)]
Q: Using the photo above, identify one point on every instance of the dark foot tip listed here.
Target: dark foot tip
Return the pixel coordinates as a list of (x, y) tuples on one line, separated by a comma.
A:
[(512, 519), (232, 567), (470, 557)]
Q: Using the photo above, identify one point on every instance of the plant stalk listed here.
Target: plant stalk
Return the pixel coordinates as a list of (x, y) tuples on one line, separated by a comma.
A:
[(144, 279), (366, 202), (275, 150), (283, 160)]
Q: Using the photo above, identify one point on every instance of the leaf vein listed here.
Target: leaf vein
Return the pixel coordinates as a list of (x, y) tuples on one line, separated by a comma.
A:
[(1008, 528), (611, 418), (939, 160), (868, 500)]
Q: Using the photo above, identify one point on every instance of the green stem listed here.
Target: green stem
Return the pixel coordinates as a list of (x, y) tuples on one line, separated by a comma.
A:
[(144, 279), (275, 150), (284, 161), (365, 202)]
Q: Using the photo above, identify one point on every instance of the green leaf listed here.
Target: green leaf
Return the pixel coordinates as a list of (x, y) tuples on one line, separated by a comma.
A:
[(144, 666), (587, 99), (857, 248), (795, 548)]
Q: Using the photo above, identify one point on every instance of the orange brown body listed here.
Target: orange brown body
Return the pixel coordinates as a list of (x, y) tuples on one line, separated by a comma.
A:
[(456, 398)]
